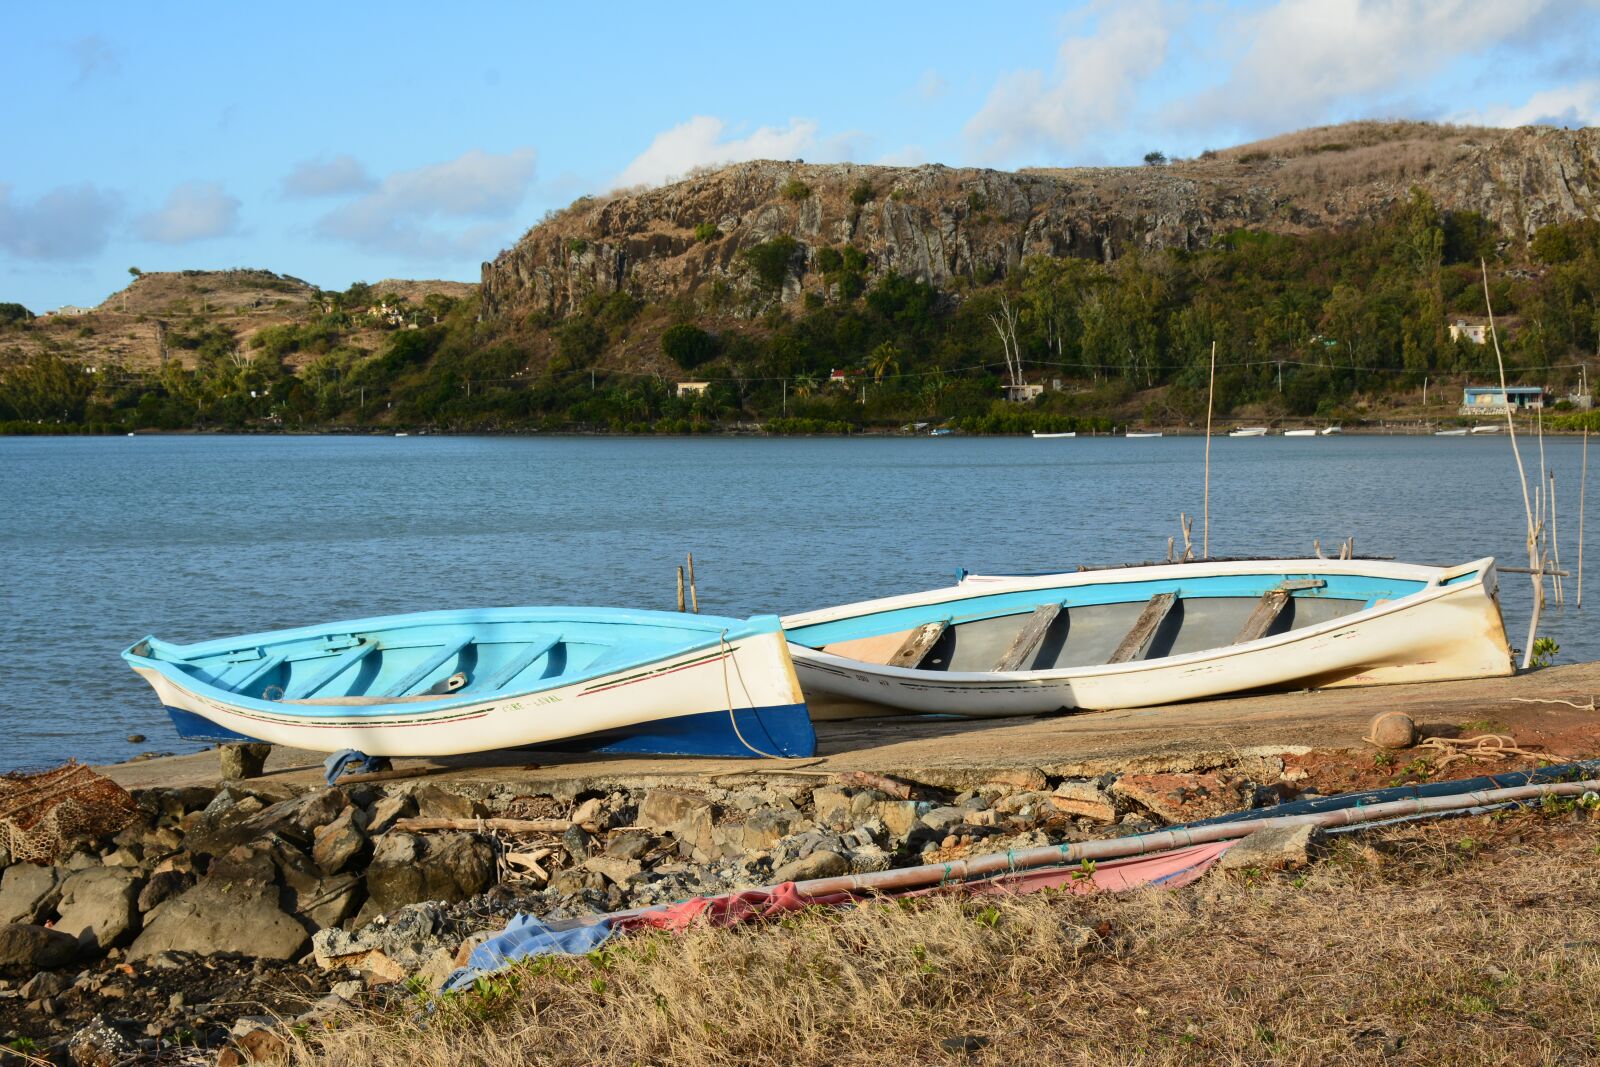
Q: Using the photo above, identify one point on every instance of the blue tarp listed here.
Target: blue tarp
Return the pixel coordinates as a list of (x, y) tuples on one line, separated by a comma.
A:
[(526, 936)]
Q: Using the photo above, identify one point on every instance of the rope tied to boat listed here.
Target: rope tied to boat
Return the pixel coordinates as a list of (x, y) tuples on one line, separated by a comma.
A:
[(727, 687)]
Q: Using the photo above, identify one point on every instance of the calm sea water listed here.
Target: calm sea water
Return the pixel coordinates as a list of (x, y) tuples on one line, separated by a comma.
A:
[(105, 540)]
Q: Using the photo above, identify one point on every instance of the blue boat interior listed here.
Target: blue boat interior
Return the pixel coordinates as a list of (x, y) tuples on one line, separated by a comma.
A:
[(452, 657), (1109, 622)]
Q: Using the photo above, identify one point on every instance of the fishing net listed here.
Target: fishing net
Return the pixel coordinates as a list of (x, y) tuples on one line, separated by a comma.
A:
[(41, 813)]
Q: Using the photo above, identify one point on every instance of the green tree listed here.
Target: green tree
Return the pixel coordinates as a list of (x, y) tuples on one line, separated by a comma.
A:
[(771, 260), (688, 345)]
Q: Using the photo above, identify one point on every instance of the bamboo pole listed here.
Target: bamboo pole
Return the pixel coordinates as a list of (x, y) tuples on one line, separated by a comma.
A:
[(680, 588), (1522, 477), (694, 597), (1211, 396), (1555, 543), (1583, 484)]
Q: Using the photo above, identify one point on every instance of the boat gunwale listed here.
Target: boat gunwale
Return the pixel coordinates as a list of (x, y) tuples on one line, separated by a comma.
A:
[(1443, 584)]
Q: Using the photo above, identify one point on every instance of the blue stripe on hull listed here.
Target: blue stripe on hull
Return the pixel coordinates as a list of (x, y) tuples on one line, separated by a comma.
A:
[(778, 730), (192, 727)]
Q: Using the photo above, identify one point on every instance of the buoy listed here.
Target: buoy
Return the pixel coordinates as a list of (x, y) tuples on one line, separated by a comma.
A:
[(1392, 729)]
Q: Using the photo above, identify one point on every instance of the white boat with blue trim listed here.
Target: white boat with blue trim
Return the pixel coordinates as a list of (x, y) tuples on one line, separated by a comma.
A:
[(1148, 635), (446, 682)]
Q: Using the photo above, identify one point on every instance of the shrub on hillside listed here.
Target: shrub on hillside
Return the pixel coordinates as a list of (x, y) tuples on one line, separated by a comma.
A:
[(688, 345), (795, 189)]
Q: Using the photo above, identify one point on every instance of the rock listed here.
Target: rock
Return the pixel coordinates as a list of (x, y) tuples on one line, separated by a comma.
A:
[(1276, 848), (576, 880), (687, 816), (242, 760), (433, 972), (339, 842), (941, 818), (1084, 800), (630, 845), (28, 893), (99, 1044), (449, 867), (298, 817), (577, 841), (163, 887), (831, 806), (1181, 798), (99, 906), (899, 816), (318, 900), (5, 855), (1025, 779), (210, 830), (759, 832), (1392, 730), (26, 947), (408, 937), (436, 803), (386, 810), (819, 864), (589, 814), (43, 984), (615, 869), (257, 1044), (236, 908)]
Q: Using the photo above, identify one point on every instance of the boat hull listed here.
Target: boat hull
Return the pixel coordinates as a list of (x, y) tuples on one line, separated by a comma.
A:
[(677, 704), (1449, 629)]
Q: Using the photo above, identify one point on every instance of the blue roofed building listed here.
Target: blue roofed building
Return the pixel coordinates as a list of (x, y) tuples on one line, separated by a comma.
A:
[(1493, 400)]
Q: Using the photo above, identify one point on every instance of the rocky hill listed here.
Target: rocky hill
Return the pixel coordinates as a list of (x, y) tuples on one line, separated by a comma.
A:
[(952, 226)]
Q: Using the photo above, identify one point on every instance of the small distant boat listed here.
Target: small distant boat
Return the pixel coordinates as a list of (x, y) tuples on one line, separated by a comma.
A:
[(1299, 433), (1138, 433), (943, 431), (1123, 637), (1327, 431), (402, 434), (1450, 433), (1486, 429), (445, 682), (1249, 431), (1042, 436)]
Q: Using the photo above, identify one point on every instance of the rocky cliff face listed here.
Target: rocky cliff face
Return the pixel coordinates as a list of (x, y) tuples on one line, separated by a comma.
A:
[(943, 224)]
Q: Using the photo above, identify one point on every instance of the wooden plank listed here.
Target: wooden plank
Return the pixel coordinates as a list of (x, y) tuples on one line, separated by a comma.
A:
[(1026, 644), (1266, 612), (1144, 628), (427, 667), (349, 659), (520, 663), (1301, 583), (918, 644)]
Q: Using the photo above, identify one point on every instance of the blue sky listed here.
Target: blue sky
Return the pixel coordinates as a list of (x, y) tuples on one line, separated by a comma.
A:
[(356, 142)]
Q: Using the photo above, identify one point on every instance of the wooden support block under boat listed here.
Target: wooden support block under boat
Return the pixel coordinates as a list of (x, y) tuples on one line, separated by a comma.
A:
[(1266, 612), (1026, 644), (1149, 621), (918, 645)]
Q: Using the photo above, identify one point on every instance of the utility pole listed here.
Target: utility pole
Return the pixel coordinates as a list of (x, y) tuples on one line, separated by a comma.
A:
[(786, 398)]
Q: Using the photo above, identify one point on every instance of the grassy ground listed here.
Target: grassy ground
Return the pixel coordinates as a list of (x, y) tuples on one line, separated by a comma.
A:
[(1462, 941)]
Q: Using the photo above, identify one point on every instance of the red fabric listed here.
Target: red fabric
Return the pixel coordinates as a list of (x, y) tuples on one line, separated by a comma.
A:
[(1169, 870)]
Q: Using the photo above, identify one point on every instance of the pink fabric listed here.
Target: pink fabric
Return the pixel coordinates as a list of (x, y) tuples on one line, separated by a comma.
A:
[(1169, 870)]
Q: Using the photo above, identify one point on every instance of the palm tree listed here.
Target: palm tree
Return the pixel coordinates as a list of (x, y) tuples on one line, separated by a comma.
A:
[(884, 358)]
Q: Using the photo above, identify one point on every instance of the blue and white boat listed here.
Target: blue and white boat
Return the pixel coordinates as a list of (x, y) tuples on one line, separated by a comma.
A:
[(445, 682), (1145, 635)]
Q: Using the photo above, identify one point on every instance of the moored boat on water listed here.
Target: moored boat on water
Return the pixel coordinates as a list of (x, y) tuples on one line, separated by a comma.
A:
[(1041, 434), (1146, 635), (445, 682), (1299, 433), (1249, 431)]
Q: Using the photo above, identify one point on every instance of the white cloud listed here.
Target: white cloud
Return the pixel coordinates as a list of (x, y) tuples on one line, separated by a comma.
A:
[(327, 177), (1302, 59), (399, 215), (68, 222), (1567, 105), (703, 141), (194, 211), (1096, 76)]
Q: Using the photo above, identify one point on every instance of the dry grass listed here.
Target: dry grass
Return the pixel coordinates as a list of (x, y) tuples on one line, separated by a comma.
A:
[(1433, 947), (1318, 140)]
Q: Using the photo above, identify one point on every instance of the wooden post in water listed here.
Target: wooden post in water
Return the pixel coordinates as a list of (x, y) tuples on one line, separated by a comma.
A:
[(1555, 543), (1522, 477), (680, 588), (694, 598), (1211, 393), (1583, 485)]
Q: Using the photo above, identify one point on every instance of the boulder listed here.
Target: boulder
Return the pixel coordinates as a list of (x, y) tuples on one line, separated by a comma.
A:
[(162, 887), (687, 816), (27, 947), (1392, 730), (1186, 797), (1024, 779), (340, 841), (1084, 800), (408, 937), (819, 864), (899, 816), (318, 900), (28, 893), (385, 810), (244, 760), (436, 803), (297, 817), (942, 818), (759, 832), (209, 830), (832, 806), (449, 867), (630, 845), (236, 908), (99, 1044), (99, 906), (1277, 848), (615, 869)]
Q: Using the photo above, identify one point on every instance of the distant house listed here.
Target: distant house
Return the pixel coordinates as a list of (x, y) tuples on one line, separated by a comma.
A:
[(1021, 394), (1476, 332), (1492, 400), (846, 376), (692, 388), (71, 309)]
